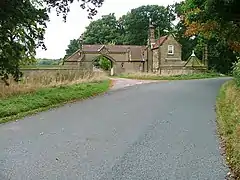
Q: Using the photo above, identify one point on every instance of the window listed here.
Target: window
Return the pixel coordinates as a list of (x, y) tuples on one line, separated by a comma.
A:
[(170, 49)]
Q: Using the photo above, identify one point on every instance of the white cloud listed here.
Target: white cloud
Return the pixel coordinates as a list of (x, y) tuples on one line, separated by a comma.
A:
[(58, 33)]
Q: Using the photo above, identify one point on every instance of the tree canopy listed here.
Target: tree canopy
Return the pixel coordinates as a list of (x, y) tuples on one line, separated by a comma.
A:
[(63, 6), (131, 28), (22, 28), (103, 31), (213, 19), (136, 23)]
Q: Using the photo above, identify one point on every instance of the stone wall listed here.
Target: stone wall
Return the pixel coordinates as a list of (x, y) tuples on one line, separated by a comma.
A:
[(178, 70), (155, 60)]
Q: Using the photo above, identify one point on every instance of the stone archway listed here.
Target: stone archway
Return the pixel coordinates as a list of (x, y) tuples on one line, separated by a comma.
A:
[(109, 58)]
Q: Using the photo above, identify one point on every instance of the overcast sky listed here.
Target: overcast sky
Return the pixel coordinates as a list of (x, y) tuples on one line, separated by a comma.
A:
[(59, 34)]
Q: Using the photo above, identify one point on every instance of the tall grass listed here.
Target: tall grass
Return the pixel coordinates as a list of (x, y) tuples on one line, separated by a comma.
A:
[(33, 80), (228, 112)]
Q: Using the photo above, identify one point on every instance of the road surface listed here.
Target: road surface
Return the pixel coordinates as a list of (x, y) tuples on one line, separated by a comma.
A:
[(157, 131)]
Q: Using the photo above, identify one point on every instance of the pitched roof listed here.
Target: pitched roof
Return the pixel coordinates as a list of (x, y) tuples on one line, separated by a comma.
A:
[(160, 41), (135, 51), (193, 61)]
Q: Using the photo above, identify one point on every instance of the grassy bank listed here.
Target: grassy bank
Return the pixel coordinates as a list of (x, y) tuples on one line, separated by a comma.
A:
[(228, 112), (151, 76), (34, 80), (38, 91), (18, 106)]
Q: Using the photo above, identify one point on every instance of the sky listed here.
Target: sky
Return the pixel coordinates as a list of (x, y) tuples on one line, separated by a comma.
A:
[(58, 33)]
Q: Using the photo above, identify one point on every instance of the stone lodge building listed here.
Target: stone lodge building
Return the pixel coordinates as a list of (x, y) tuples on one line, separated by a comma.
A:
[(159, 56)]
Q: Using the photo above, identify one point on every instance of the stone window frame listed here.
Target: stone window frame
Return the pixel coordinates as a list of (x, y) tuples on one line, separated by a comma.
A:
[(170, 47)]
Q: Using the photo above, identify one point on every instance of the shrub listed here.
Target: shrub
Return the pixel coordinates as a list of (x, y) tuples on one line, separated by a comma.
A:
[(236, 72)]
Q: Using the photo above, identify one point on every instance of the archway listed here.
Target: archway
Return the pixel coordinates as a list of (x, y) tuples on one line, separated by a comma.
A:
[(105, 63)]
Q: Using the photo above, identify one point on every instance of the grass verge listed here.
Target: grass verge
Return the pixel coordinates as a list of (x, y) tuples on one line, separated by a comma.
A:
[(18, 106), (151, 76), (228, 120)]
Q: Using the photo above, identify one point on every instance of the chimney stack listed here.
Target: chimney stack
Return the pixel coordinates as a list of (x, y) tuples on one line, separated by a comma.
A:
[(151, 36)]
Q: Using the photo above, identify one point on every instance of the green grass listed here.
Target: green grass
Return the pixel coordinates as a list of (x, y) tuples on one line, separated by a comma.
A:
[(19, 106), (174, 77), (228, 120)]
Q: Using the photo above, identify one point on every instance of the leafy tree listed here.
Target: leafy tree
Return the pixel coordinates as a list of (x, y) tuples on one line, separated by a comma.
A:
[(103, 31), (136, 23), (188, 43), (214, 19), (72, 47), (131, 28), (211, 29), (63, 6), (22, 28)]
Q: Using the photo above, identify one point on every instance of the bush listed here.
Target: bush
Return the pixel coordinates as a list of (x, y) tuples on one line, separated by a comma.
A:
[(236, 72)]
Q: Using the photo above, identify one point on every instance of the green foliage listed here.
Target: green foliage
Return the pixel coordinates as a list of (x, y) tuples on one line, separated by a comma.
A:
[(16, 106), (136, 23), (221, 56), (63, 6), (131, 28), (236, 72), (22, 28), (72, 47), (48, 62), (103, 63), (103, 31), (214, 19)]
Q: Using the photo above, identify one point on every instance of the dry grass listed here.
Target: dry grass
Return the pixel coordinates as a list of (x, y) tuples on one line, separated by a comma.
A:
[(34, 80), (228, 111)]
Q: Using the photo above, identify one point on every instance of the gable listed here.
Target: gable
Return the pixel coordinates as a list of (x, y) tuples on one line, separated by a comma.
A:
[(159, 42), (171, 40)]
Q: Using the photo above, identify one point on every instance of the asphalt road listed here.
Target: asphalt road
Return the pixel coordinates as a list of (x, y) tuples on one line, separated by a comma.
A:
[(162, 131)]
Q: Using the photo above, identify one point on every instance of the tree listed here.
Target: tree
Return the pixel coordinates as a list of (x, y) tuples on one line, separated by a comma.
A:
[(188, 43), (202, 19), (214, 19), (72, 47), (131, 28), (63, 6), (22, 28), (136, 23), (103, 31)]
